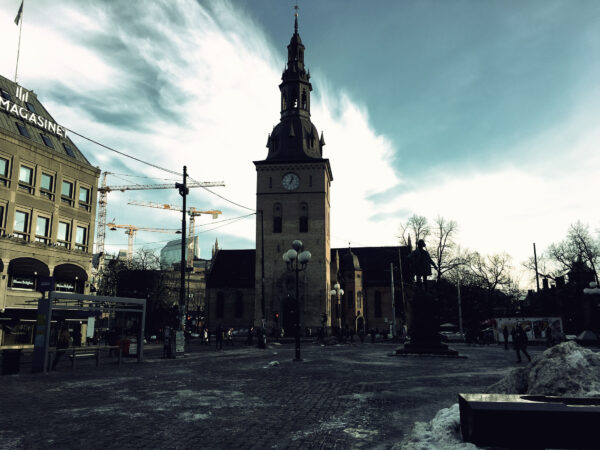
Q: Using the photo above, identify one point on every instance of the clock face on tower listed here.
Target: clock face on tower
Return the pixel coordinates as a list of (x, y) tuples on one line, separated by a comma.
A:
[(290, 181)]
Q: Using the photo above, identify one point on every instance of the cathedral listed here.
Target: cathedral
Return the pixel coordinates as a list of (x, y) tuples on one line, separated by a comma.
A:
[(256, 287)]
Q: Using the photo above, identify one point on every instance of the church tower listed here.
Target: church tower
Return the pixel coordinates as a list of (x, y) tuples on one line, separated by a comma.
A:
[(292, 202)]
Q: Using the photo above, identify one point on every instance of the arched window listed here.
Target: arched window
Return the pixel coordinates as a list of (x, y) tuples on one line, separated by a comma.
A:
[(220, 305), (277, 219), (377, 304), (304, 99), (239, 304), (359, 300), (303, 224)]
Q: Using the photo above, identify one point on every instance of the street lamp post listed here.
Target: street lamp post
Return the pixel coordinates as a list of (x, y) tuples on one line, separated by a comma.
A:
[(296, 261), (337, 292)]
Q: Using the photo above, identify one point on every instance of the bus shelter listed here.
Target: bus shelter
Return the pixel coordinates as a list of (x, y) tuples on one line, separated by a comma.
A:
[(92, 305)]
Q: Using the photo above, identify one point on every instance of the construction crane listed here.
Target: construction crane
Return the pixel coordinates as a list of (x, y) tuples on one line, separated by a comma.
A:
[(193, 212), (103, 200), (130, 230)]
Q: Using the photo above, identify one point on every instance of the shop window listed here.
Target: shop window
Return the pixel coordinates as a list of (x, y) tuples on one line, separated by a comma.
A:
[(24, 282), (26, 178), (84, 198), (4, 172), (220, 305), (47, 140), (67, 192), (378, 304), (239, 305), (42, 230), (47, 185), (23, 130), (65, 286), (81, 238), (21, 228), (63, 236)]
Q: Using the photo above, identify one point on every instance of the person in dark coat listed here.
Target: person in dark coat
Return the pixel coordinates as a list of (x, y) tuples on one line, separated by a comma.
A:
[(505, 334), (219, 337), (520, 342)]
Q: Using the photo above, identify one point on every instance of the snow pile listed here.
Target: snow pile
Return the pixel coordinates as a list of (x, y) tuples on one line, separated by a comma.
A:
[(564, 370), (441, 433)]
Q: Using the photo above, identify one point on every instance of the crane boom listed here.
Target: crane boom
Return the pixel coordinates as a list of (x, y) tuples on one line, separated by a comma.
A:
[(138, 187), (193, 212), (103, 201), (130, 230)]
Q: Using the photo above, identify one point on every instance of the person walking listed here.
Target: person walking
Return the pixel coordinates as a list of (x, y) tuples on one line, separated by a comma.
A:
[(520, 342), (219, 337), (505, 334)]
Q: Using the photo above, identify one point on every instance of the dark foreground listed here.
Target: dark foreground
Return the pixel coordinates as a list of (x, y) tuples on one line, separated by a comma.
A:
[(338, 397)]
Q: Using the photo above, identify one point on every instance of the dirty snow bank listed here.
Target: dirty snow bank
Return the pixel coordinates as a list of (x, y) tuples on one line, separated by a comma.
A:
[(563, 370)]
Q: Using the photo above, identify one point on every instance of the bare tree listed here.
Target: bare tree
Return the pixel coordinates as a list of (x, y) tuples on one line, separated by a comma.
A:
[(444, 255), (415, 227), (579, 245), (492, 272), (145, 259)]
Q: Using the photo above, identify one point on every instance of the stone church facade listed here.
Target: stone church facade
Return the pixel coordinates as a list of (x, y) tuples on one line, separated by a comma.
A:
[(293, 202)]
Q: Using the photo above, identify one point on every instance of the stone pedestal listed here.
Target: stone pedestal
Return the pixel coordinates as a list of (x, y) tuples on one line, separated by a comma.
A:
[(422, 313)]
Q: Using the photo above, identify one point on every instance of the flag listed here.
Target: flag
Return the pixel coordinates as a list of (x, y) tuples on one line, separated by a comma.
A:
[(19, 14)]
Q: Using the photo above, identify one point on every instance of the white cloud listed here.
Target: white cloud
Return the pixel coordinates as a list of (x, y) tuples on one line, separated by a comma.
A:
[(219, 73)]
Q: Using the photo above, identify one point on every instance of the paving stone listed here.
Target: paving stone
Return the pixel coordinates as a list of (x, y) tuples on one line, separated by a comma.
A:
[(353, 396)]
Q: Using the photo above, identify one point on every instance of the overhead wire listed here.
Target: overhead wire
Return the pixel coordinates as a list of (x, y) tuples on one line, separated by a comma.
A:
[(122, 153)]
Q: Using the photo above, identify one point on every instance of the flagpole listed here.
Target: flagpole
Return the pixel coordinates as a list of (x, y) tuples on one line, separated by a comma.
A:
[(19, 45)]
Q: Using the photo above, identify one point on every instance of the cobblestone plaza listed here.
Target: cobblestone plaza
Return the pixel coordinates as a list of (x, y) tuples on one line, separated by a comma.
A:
[(341, 396)]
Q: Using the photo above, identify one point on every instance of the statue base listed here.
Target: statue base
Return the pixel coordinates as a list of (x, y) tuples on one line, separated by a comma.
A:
[(423, 326)]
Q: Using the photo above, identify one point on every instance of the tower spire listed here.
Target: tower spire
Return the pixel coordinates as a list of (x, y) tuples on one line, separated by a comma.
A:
[(296, 18)]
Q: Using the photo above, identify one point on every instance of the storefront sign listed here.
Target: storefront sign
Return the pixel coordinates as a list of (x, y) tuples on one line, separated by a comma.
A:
[(27, 116)]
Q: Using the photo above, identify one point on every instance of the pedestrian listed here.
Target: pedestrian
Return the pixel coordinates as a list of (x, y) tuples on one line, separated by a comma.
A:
[(230, 336), (62, 344), (520, 342), (505, 334), (250, 334), (219, 337), (549, 340), (361, 335), (352, 333)]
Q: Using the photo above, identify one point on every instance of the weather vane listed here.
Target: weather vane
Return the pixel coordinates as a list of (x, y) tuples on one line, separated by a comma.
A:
[(296, 8)]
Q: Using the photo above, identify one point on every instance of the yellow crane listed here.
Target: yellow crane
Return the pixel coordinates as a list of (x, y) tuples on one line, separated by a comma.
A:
[(103, 191), (193, 212), (130, 230)]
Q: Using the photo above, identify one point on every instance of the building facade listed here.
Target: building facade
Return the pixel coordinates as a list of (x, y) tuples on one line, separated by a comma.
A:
[(47, 210)]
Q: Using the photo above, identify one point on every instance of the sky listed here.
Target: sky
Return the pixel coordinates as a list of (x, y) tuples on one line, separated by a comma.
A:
[(485, 113)]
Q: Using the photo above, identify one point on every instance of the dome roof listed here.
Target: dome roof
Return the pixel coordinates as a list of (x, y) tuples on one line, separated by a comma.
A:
[(295, 138)]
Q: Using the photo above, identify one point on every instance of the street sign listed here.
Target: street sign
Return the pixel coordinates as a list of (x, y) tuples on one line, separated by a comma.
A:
[(45, 284)]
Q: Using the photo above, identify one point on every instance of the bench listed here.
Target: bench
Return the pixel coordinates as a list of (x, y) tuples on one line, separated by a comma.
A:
[(85, 352)]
